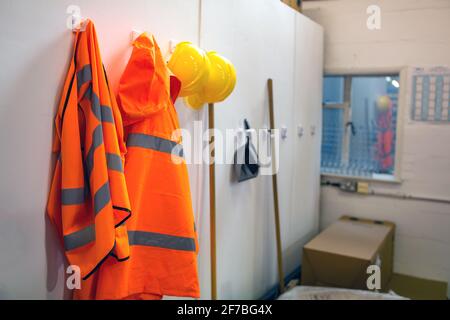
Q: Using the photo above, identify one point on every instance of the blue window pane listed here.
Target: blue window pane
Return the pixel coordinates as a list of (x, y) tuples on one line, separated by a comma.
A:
[(374, 117), (333, 90), (332, 137), (372, 130)]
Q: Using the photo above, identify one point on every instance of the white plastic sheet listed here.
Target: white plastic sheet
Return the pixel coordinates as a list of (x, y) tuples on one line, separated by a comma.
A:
[(321, 293)]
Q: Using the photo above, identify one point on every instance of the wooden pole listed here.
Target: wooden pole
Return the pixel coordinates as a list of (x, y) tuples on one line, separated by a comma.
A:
[(275, 190), (212, 202)]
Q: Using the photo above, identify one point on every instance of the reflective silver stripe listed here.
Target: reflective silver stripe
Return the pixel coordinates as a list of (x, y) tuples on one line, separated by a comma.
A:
[(154, 143), (97, 137), (95, 104), (135, 238), (102, 198), (72, 196), (80, 238), (84, 75), (107, 115), (151, 239), (114, 162), (97, 140), (102, 113)]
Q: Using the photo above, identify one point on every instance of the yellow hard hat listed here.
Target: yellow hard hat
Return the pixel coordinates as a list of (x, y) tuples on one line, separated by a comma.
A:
[(221, 80), (194, 101), (191, 65), (384, 102)]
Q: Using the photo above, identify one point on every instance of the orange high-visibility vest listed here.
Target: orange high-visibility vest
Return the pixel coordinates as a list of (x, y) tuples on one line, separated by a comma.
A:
[(161, 232), (385, 140), (88, 201)]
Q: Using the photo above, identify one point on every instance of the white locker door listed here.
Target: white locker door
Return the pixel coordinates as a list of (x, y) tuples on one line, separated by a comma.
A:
[(258, 37), (262, 38), (308, 116)]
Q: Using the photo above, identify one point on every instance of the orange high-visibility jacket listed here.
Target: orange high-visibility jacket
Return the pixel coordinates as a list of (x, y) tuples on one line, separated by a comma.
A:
[(385, 140), (88, 201), (161, 232)]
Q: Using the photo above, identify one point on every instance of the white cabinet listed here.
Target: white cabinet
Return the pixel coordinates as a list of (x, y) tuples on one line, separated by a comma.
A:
[(266, 39), (307, 110)]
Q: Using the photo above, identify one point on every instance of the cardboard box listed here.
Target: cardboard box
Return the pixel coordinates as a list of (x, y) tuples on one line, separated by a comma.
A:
[(418, 288), (341, 254), (295, 4)]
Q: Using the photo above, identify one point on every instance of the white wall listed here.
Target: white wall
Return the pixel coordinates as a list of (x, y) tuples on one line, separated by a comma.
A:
[(413, 33), (36, 48), (263, 38)]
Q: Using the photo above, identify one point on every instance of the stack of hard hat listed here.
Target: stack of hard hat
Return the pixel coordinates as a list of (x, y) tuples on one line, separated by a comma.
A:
[(205, 77)]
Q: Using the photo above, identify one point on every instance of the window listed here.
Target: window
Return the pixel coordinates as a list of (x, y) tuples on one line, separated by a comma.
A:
[(360, 125)]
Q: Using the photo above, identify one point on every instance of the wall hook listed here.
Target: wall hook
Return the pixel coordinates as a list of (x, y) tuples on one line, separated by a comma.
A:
[(78, 23), (284, 132), (75, 21), (135, 33), (300, 130)]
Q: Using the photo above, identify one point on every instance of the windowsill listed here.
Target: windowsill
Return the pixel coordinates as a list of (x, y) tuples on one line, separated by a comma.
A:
[(375, 178)]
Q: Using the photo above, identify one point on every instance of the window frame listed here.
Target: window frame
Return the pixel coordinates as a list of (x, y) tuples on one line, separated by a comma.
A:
[(396, 178)]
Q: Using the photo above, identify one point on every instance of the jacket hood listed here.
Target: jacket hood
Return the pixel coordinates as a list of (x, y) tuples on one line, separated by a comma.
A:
[(144, 88)]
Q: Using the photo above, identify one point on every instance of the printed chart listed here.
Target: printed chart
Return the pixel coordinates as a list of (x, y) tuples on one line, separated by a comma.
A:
[(430, 94)]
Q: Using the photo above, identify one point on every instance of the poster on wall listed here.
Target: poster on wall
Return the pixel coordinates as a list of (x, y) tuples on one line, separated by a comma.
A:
[(430, 99)]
